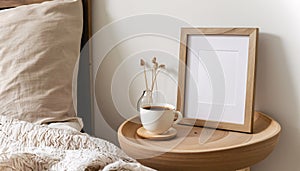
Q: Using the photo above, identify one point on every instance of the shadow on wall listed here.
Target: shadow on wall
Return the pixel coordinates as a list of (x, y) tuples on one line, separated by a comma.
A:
[(103, 91), (103, 80), (276, 96), (119, 42), (120, 82)]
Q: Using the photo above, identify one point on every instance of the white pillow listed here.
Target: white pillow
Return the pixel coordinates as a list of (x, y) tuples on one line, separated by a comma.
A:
[(39, 47)]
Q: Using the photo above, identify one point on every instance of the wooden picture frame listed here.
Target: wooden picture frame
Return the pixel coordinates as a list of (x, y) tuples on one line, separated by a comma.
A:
[(216, 80)]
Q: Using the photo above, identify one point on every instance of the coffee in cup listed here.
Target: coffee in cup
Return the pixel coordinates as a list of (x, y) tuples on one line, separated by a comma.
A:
[(158, 118)]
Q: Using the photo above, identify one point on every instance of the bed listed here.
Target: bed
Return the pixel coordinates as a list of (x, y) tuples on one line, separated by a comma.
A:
[(40, 45)]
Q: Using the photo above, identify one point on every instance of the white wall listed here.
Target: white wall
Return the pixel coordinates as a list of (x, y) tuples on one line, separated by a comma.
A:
[(278, 80)]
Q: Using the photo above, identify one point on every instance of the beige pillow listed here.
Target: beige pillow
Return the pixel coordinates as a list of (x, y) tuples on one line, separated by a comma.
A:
[(39, 47)]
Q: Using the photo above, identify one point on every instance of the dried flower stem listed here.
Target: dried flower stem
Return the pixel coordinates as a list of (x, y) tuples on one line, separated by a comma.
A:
[(143, 63), (153, 74), (155, 71), (146, 82), (154, 80)]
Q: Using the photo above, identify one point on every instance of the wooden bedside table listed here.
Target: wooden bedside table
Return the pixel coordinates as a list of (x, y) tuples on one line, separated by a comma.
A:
[(223, 151)]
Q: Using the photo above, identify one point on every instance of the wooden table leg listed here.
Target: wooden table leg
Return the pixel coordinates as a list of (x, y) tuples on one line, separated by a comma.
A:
[(246, 169)]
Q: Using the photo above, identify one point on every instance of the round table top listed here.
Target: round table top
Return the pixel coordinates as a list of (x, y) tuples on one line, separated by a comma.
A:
[(193, 145)]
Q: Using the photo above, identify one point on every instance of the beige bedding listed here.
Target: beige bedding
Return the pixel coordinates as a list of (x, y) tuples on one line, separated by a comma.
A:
[(27, 146), (39, 48)]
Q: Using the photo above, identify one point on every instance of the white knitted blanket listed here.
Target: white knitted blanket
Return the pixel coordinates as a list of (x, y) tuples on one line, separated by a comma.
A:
[(26, 146)]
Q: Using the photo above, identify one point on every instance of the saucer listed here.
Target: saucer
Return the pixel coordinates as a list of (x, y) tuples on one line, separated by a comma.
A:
[(142, 132)]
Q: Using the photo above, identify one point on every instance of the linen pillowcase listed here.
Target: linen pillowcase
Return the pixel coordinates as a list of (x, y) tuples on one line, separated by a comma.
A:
[(39, 48)]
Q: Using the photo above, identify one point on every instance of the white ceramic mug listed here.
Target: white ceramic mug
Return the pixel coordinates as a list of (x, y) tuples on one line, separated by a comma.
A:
[(158, 118)]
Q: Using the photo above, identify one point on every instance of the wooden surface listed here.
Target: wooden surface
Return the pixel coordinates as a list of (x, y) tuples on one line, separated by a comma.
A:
[(193, 148), (250, 87), (171, 133)]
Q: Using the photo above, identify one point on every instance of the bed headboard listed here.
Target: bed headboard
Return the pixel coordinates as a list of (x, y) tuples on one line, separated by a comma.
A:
[(84, 86)]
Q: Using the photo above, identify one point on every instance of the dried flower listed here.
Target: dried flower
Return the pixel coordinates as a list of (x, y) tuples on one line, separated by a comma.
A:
[(155, 71), (154, 60), (162, 66), (142, 62)]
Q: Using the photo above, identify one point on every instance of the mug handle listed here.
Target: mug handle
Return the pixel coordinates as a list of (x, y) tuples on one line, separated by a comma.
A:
[(179, 117)]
